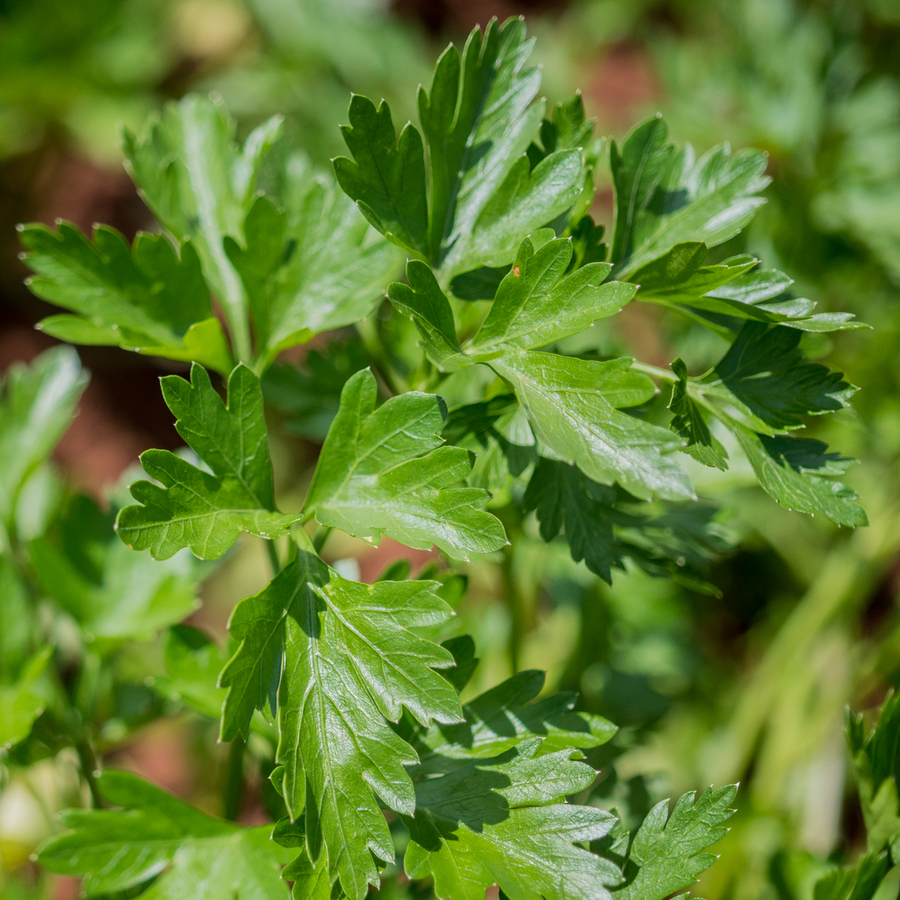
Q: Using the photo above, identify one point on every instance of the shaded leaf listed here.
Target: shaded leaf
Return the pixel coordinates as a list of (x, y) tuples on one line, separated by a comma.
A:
[(664, 196), (194, 508), (504, 821), (688, 421)]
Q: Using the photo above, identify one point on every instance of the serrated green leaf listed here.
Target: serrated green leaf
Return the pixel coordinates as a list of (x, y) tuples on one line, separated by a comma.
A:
[(770, 379), (111, 591), (732, 290), (797, 474), (665, 197), (146, 298), (386, 176), (688, 421), (428, 307), (565, 499), (350, 661), (500, 821), (572, 405), (478, 120), (37, 403), (200, 184), (385, 471), (537, 303), (604, 526), (508, 715), (309, 269), (193, 508), (666, 854), (194, 855)]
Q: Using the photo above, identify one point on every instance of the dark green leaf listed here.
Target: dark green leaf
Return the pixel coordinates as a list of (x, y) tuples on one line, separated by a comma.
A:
[(688, 421), (385, 471), (478, 120), (768, 376), (506, 716), (504, 821), (428, 307), (565, 499), (386, 176), (193, 508)]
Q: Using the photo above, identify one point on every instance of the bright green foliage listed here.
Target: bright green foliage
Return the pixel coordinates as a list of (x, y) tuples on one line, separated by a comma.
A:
[(37, 404), (194, 508), (308, 270), (503, 821), (667, 854), (146, 298), (537, 303), (386, 471), (350, 661), (200, 185), (109, 590), (341, 689), (194, 855), (573, 406), (664, 196), (478, 121)]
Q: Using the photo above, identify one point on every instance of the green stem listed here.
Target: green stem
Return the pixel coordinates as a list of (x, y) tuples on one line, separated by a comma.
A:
[(655, 372), (320, 537), (88, 763), (234, 780), (272, 550), (517, 613)]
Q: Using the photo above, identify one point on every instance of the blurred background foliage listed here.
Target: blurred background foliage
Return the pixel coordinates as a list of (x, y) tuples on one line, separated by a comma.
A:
[(747, 680)]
